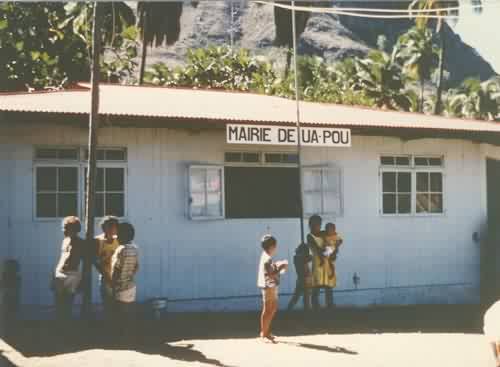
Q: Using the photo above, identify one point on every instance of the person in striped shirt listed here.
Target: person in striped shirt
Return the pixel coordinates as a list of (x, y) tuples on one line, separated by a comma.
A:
[(124, 266)]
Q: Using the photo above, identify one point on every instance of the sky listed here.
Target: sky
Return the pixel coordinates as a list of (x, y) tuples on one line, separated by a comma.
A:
[(482, 31)]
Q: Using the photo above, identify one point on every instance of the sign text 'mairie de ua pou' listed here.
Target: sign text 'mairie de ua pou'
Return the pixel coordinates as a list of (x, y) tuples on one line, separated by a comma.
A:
[(287, 135)]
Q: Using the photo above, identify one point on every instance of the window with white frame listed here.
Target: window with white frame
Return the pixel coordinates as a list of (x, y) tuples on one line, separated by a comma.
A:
[(60, 181), (56, 191), (412, 184), (206, 192), (322, 190), (109, 191)]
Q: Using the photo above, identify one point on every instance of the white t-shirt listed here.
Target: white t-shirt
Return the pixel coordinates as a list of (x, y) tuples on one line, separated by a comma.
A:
[(266, 265)]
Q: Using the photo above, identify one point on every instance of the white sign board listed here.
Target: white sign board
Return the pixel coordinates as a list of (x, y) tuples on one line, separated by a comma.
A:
[(287, 135)]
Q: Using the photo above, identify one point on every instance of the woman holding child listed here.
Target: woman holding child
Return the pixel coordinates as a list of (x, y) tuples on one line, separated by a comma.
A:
[(324, 246)]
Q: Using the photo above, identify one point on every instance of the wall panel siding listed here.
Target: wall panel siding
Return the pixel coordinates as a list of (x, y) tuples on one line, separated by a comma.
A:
[(415, 259)]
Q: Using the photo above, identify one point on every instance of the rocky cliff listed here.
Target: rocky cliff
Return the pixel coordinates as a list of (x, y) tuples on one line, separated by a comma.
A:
[(250, 25)]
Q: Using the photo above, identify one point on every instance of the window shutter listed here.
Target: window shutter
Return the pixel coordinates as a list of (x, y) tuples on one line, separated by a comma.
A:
[(322, 187), (311, 187), (206, 192), (332, 189)]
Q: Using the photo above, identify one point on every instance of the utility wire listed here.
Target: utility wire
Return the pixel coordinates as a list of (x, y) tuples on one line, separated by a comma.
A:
[(364, 13)]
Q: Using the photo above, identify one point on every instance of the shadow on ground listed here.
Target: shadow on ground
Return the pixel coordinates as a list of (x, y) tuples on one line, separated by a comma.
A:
[(41, 339)]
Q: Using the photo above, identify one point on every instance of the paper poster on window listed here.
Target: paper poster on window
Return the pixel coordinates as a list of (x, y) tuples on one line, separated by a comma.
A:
[(287, 135)]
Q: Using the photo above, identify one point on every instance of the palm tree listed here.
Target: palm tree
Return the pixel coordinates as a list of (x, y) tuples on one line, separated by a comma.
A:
[(380, 79), (159, 23), (422, 22), (416, 50), (283, 24), (117, 16), (476, 99)]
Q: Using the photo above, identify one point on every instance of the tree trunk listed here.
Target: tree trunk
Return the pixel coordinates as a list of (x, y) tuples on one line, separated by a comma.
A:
[(91, 171), (289, 54), (144, 51), (422, 84), (438, 107)]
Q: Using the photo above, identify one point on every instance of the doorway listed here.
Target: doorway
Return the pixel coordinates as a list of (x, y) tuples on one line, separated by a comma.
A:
[(490, 251)]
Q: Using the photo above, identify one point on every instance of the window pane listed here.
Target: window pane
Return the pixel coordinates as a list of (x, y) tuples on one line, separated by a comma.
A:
[(422, 182), (435, 161), (251, 157), (389, 203), (436, 203), (331, 204), (214, 204), (115, 155), (423, 203), (99, 180), (232, 157), (213, 180), (388, 161), (46, 153), (404, 182), (100, 155), (290, 158), (312, 180), (67, 204), (331, 181), (197, 204), (404, 203), (68, 154), (115, 205), (436, 182), (403, 161), (420, 161), (312, 203), (273, 158), (99, 205), (46, 206), (198, 180), (115, 179), (46, 179), (389, 182), (68, 179)]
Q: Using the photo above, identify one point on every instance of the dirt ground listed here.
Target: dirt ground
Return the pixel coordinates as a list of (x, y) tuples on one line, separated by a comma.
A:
[(389, 337)]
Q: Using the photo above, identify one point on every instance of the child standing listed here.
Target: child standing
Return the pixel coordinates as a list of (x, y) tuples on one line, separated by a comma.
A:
[(67, 274), (268, 280), (301, 262), (332, 245), (106, 245), (124, 266)]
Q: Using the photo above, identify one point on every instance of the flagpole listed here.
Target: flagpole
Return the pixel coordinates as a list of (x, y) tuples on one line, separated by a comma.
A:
[(91, 170), (299, 137)]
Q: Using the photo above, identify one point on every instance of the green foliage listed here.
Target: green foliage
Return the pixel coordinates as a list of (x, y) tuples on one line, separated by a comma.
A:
[(118, 64), (217, 67), (38, 50), (417, 53), (475, 99), (118, 16), (381, 79)]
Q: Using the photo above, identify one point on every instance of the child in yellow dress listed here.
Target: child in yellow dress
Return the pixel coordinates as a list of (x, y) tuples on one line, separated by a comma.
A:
[(333, 241)]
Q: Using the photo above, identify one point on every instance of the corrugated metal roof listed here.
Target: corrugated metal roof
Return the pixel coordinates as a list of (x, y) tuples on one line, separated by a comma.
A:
[(227, 106)]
